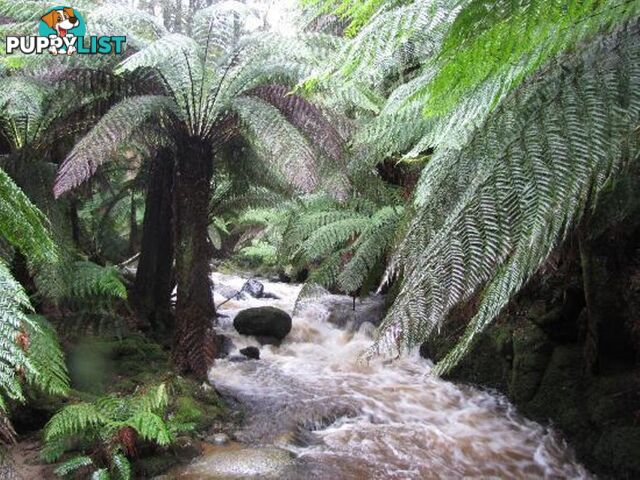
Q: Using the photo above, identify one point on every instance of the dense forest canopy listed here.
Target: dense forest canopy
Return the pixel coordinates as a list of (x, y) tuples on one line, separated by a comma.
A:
[(436, 151)]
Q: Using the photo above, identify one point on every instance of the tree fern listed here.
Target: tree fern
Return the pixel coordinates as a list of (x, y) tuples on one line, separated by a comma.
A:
[(28, 346), (489, 214)]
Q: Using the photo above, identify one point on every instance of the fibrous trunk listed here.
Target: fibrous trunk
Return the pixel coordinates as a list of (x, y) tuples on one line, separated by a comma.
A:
[(151, 294), (195, 345)]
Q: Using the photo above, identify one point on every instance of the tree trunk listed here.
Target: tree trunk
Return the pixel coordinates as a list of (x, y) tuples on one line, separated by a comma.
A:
[(195, 344), (151, 293), (591, 338), (133, 226)]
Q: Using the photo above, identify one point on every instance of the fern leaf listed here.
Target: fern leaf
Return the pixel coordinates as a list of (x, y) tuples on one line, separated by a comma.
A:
[(516, 189), (73, 464)]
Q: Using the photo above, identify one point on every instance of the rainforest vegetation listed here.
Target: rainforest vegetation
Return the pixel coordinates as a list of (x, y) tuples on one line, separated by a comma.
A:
[(469, 160)]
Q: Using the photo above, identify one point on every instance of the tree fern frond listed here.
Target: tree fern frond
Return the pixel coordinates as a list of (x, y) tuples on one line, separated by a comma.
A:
[(13, 305), (102, 142), (370, 248), (92, 280), (515, 190), (49, 372), (277, 141), (23, 225), (304, 116)]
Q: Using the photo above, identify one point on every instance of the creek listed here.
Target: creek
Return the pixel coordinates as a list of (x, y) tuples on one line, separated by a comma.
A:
[(314, 408)]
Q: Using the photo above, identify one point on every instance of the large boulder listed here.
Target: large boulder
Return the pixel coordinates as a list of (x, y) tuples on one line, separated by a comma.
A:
[(263, 322), (254, 288)]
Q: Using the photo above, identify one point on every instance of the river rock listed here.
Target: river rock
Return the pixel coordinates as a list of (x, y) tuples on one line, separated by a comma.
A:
[(254, 288), (186, 448), (220, 439), (425, 352), (225, 345), (228, 292), (263, 321), (251, 352), (241, 463), (341, 310)]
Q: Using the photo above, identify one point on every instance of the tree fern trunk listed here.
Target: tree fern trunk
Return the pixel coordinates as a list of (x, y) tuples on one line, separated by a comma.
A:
[(195, 345), (133, 226), (151, 294), (591, 340)]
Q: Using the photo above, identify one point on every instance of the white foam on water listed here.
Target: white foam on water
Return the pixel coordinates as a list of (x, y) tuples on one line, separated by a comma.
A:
[(381, 419)]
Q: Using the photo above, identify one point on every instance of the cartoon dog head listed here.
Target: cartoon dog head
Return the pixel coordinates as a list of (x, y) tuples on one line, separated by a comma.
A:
[(61, 20)]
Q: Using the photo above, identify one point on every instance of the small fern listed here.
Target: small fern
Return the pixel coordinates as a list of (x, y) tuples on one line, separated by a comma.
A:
[(108, 428)]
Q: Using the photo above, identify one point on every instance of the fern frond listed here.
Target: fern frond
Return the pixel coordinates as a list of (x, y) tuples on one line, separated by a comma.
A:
[(73, 419), (370, 248), (101, 474), (23, 225), (102, 142), (73, 464), (150, 427), (490, 214), (49, 372), (92, 280), (121, 467)]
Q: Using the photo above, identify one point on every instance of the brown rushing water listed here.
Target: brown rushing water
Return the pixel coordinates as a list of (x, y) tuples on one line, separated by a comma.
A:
[(332, 416)]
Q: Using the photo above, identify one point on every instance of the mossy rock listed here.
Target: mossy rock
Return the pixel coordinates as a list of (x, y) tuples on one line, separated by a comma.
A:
[(561, 394), (531, 354), (619, 450), (613, 399), (187, 410)]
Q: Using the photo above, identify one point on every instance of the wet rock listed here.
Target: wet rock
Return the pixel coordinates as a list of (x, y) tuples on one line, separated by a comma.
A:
[(341, 310), (425, 352), (228, 292), (219, 439), (254, 288), (236, 358), (266, 463), (186, 449), (263, 321), (226, 345), (531, 353), (251, 352)]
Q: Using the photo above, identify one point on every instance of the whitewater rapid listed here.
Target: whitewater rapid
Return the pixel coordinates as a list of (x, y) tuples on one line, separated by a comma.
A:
[(340, 417)]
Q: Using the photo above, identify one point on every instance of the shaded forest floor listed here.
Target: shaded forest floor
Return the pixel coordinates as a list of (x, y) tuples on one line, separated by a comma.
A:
[(102, 367)]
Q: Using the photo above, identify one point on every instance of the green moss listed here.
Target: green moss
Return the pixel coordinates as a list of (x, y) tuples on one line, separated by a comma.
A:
[(531, 353), (188, 410)]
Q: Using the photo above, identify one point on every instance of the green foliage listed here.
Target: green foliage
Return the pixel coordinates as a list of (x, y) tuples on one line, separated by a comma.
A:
[(358, 12), (49, 371), (489, 214), (108, 428), (29, 348), (92, 281), (23, 225)]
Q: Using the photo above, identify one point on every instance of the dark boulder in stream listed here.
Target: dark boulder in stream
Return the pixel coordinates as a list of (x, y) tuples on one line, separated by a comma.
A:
[(251, 352), (263, 322)]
